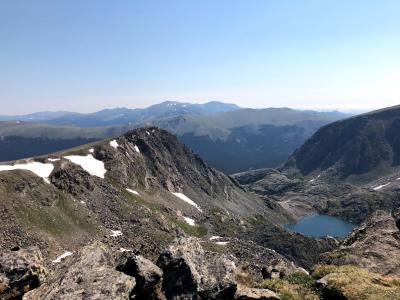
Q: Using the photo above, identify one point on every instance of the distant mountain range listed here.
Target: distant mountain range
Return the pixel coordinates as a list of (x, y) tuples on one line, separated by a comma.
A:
[(230, 138), (124, 116)]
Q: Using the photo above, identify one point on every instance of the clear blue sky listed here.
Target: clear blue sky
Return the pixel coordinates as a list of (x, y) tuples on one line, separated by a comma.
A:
[(85, 55)]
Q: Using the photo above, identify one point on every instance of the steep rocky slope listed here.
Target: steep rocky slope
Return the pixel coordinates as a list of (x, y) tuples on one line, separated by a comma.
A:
[(358, 149), (143, 170)]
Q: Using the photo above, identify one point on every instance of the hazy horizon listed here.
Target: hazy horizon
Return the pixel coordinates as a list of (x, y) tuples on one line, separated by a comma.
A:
[(349, 111), (84, 56)]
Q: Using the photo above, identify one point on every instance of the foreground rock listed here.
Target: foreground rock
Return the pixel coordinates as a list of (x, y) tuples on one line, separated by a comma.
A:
[(89, 274), (191, 272), (374, 245), (148, 275), (20, 271), (245, 293)]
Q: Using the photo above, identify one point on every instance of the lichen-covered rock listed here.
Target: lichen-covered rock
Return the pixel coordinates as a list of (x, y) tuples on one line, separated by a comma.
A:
[(245, 293), (190, 272), (148, 275), (88, 274), (20, 271)]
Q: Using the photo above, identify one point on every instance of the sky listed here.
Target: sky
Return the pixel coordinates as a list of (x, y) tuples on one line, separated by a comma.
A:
[(88, 55)]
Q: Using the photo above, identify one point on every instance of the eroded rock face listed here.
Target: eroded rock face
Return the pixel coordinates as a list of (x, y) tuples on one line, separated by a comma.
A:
[(88, 274), (148, 275), (374, 245), (20, 271), (192, 273)]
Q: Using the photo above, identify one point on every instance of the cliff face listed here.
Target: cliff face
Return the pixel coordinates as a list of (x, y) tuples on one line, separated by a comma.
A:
[(359, 149)]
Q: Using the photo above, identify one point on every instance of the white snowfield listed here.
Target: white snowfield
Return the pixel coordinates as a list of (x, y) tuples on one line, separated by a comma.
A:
[(214, 237), (136, 149), (61, 257), (132, 191), (222, 243), (91, 150), (190, 221), (114, 144), (125, 250), (115, 233), (40, 169), (187, 200), (53, 159), (91, 165), (381, 186)]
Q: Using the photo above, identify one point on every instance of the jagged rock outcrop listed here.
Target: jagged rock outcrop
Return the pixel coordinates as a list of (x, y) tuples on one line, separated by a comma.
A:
[(147, 275), (88, 274), (193, 273), (259, 262), (20, 271), (374, 245)]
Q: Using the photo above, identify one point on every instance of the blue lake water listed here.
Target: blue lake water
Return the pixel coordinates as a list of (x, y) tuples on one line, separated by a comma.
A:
[(322, 225)]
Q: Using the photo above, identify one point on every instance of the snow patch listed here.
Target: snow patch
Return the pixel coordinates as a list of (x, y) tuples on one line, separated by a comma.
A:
[(187, 200), (114, 144), (61, 257), (91, 165), (40, 169), (125, 250), (132, 191), (222, 243), (190, 221), (115, 233), (215, 237), (381, 186), (312, 180), (148, 133), (53, 159), (91, 150), (136, 149)]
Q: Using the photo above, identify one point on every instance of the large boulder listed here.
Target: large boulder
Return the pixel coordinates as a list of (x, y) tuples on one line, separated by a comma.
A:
[(88, 274), (245, 293), (190, 272), (148, 275), (20, 271), (374, 245)]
